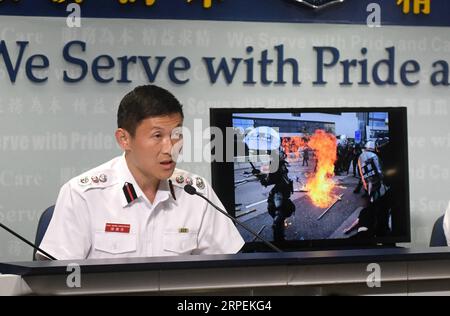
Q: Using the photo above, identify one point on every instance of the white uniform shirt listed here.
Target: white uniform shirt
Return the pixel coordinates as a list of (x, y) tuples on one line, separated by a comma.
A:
[(98, 215), (447, 225)]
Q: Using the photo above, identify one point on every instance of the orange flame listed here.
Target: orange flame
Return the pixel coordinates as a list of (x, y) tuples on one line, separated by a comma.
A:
[(321, 185)]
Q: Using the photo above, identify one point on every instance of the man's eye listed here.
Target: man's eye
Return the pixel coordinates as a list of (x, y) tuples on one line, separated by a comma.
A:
[(157, 136)]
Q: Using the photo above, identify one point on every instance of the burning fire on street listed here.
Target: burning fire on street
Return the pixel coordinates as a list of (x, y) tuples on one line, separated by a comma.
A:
[(321, 185)]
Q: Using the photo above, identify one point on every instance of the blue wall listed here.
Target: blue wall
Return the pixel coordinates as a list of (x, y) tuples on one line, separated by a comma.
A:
[(350, 12)]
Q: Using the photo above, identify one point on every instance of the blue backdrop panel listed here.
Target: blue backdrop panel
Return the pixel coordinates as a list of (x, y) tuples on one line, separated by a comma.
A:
[(350, 12)]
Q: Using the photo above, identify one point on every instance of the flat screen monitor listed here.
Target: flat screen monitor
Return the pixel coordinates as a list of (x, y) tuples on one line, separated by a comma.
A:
[(314, 178)]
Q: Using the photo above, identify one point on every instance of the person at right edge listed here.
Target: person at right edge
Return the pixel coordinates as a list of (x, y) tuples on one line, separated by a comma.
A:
[(447, 224)]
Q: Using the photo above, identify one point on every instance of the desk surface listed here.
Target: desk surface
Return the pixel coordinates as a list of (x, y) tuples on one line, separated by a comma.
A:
[(229, 261)]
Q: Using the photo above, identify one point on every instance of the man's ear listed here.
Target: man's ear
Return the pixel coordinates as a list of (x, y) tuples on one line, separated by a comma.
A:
[(123, 138)]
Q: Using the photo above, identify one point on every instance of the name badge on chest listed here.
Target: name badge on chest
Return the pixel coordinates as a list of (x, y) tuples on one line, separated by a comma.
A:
[(118, 228)]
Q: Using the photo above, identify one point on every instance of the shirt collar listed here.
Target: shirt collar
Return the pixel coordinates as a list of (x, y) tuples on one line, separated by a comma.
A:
[(164, 192)]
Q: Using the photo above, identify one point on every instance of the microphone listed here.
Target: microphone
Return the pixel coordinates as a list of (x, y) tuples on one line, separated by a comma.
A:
[(29, 243), (189, 189)]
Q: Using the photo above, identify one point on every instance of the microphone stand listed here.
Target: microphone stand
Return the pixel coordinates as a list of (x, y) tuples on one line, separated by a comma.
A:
[(272, 246), (27, 242)]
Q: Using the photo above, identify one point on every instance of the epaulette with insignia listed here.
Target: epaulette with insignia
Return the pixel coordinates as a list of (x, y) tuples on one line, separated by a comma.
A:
[(92, 180), (182, 178)]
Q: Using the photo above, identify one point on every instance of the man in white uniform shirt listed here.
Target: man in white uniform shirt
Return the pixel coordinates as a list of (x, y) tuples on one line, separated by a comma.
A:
[(135, 204)]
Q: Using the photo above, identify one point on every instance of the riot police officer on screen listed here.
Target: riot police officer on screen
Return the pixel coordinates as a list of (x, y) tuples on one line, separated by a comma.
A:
[(374, 219), (280, 207)]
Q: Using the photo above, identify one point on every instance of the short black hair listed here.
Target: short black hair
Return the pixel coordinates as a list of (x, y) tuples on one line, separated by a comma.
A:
[(145, 102)]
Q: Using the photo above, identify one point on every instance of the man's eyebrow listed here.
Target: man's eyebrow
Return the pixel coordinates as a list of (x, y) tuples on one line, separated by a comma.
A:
[(159, 128), (156, 128)]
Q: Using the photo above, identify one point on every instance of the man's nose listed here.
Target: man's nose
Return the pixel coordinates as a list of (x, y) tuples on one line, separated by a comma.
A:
[(167, 146)]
